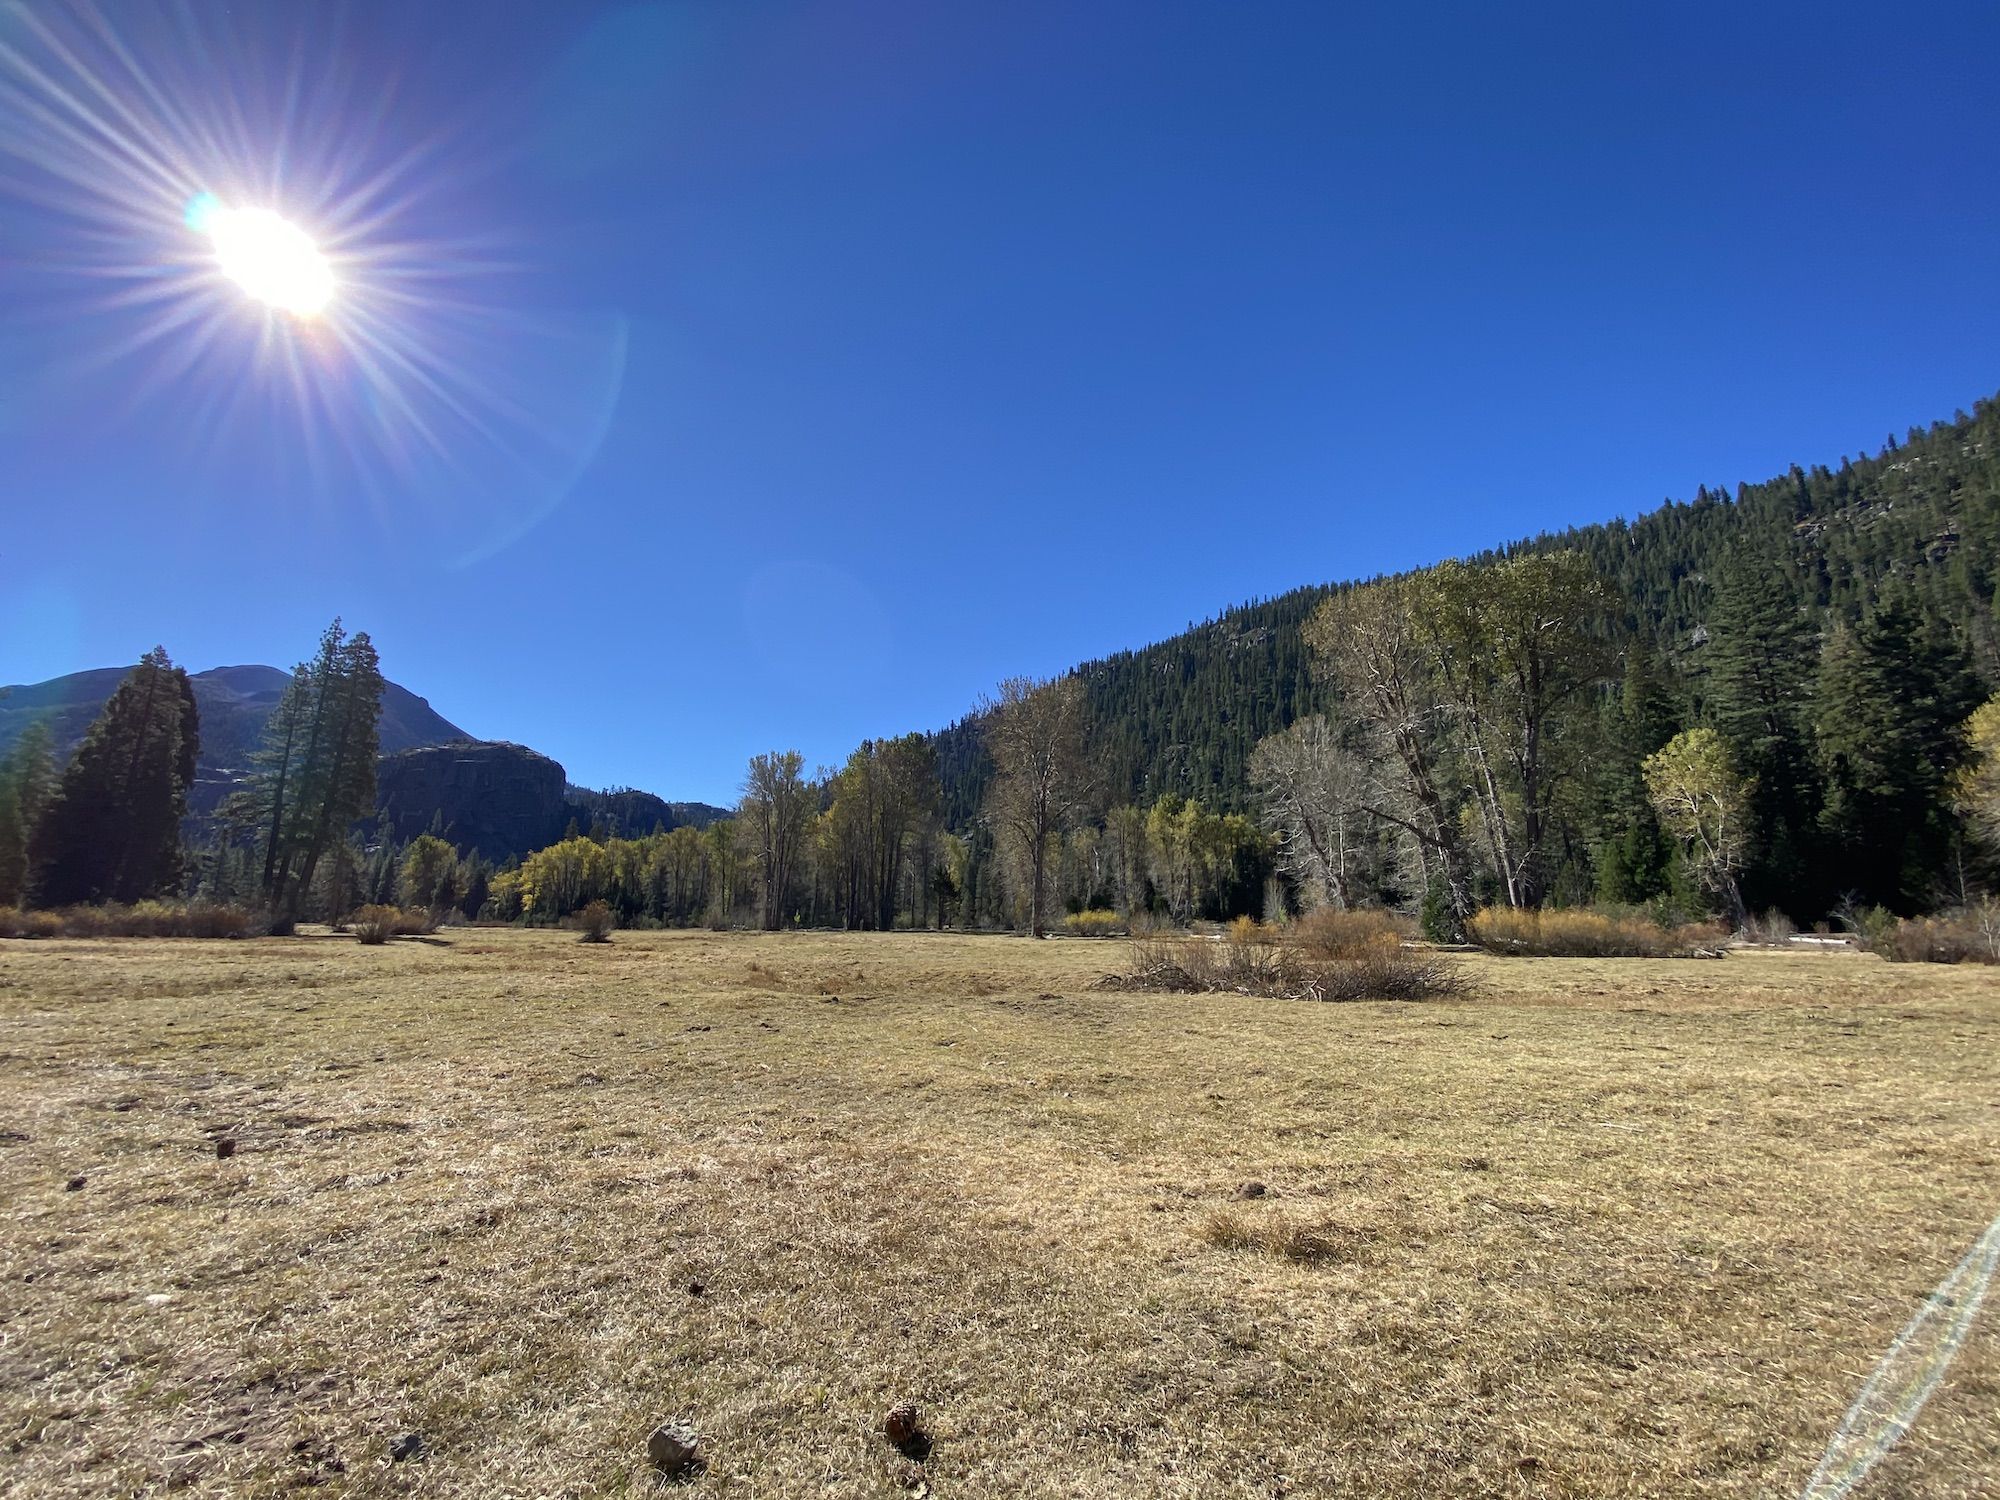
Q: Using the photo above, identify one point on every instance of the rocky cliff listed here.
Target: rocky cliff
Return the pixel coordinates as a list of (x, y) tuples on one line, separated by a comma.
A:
[(495, 798)]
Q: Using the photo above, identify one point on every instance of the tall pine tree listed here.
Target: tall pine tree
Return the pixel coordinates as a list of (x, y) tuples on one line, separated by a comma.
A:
[(315, 775), (111, 831), (1762, 654), (1895, 692), (1633, 857), (27, 781)]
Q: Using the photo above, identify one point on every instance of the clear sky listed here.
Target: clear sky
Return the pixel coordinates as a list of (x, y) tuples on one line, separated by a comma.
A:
[(708, 378)]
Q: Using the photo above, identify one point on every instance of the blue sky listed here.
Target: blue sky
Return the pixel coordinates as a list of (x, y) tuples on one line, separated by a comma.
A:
[(832, 362)]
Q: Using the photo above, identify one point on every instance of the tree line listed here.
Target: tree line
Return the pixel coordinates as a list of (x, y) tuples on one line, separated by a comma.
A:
[(1732, 705), (1491, 732)]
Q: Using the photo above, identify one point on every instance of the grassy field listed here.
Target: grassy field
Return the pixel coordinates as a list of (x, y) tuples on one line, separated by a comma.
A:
[(1607, 1228)]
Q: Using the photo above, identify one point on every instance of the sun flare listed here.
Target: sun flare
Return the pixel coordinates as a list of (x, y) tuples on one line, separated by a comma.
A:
[(270, 258)]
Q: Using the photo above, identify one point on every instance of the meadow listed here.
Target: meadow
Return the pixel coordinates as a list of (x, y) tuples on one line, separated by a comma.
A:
[(495, 1203)]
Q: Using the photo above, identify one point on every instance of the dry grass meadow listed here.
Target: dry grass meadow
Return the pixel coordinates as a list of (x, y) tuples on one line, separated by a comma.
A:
[(1603, 1228)]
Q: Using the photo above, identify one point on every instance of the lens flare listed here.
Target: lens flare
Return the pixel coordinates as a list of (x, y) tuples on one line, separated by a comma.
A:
[(410, 372), (271, 258)]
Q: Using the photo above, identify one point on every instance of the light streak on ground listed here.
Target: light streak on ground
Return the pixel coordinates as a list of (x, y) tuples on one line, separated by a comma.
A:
[(1909, 1372)]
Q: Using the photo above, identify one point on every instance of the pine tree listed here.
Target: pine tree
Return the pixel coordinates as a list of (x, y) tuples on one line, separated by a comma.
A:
[(27, 780), (1894, 697), (1762, 657), (1633, 857), (315, 775), (111, 831)]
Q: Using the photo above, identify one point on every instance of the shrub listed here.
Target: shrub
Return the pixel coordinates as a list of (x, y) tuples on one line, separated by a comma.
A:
[(1967, 936), (1328, 933), (1578, 933), (595, 922), (375, 925), (1092, 923), (30, 924), (1287, 971), (155, 919), (1874, 927), (1386, 974), (1772, 930), (1246, 929)]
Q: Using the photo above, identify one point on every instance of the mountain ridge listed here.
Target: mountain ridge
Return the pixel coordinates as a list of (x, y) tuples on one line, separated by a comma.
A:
[(492, 797)]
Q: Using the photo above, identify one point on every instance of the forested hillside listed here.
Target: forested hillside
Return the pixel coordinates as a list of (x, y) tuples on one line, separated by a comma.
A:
[(1181, 717)]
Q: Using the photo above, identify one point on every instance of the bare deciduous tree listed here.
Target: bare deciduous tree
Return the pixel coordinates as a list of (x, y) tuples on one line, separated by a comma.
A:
[(1316, 787), (1041, 784), (1364, 641), (776, 806)]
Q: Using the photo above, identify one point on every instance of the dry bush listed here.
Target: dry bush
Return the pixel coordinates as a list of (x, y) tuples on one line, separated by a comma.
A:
[(1577, 933), (144, 919), (1092, 923), (1968, 936), (1329, 933), (1385, 974), (15, 923), (594, 922), (1772, 930), (1285, 971), (374, 925), (1242, 930)]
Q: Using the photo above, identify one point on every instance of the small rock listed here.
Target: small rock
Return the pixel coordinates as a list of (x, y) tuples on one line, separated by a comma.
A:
[(1251, 1190), (673, 1448), (225, 1148), (75, 1184), (406, 1445)]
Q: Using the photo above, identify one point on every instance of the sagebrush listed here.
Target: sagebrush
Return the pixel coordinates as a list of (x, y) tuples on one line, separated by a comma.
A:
[(594, 922), (142, 919), (1359, 960), (1580, 933), (1092, 923)]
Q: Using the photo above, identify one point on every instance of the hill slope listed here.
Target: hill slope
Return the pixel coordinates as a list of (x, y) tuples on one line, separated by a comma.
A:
[(1182, 716)]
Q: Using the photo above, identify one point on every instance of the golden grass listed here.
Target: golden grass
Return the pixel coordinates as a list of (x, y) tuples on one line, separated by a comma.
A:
[(1613, 1228)]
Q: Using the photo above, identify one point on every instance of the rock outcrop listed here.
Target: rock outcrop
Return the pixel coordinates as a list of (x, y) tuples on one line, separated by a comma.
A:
[(492, 797)]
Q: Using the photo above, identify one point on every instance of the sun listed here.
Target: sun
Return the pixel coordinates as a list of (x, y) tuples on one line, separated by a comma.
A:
[(268, 256)]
